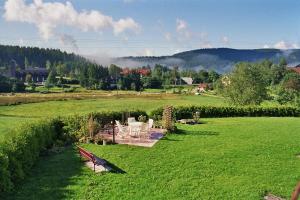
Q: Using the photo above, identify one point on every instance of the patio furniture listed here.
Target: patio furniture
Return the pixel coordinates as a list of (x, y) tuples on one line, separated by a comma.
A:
[(150, 123), (145, 130), (123, 130), (131, 119), (135, 128)]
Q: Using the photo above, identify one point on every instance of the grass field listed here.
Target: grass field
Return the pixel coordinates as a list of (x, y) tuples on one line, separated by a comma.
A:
[(12, 115), (229, 158)]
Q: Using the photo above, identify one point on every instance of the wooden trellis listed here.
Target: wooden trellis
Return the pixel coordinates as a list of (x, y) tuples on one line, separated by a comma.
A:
[(167, 119)]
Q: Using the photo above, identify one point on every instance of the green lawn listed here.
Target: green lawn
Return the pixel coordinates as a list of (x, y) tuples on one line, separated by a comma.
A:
[(229, 158), (11, 115)]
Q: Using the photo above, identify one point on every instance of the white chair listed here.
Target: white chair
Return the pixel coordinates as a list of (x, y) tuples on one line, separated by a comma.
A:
[(123, 130), (131, 119), (144, 132), (150, 123)]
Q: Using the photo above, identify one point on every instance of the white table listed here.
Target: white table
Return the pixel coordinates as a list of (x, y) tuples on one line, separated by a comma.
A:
[(135, 128)]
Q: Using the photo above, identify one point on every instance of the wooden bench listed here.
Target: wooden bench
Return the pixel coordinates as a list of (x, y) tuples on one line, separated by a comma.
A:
[(94, 159), (296, 192)]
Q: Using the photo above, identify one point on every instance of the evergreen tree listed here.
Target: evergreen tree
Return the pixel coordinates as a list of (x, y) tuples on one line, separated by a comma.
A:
[(26, 63)]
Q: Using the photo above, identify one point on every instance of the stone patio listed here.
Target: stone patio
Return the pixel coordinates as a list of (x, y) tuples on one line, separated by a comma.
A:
[(154, 136)]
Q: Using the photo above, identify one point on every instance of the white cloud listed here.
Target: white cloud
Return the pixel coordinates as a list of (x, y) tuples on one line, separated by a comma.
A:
[(148, 52), (168, 36), (285, 45), (21, 42), (225, 40), (266, 46), (181, 25), (182, 29), (47, 16)]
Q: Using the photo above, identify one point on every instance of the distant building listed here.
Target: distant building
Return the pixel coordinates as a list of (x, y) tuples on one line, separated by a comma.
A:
[(202, 87), (141, 71), (37, 74), (187, 80), (295, 69)]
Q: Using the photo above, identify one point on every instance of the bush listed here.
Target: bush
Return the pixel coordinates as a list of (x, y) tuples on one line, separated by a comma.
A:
[(22, 148), (210, 111)]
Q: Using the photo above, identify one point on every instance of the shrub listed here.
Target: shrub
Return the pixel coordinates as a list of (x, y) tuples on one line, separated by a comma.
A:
[(22, 148), (5, 182), (210, 111)]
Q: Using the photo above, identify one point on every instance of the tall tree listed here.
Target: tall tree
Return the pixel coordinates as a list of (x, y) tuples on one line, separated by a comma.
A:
[(246, 85), (26, 63), (48, 65)]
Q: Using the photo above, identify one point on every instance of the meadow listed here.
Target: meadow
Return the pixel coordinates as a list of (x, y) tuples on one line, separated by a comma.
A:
[(16, 114), (228, 158)]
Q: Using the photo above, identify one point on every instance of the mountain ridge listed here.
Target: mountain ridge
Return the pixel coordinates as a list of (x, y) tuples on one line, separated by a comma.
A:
[(219, 59)]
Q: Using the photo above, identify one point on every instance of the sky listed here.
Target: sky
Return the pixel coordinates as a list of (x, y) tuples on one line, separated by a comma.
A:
[(113, 28)]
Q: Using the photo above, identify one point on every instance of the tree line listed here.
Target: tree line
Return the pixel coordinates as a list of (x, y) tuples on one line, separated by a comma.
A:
[(94, 76), (253, 83)]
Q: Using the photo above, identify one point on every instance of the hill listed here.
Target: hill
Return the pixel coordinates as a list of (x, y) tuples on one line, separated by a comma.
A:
[(36, 57), (219, 59)]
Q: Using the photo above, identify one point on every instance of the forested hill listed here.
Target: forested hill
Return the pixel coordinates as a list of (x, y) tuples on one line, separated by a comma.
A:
[(219, 59), (35, 57)]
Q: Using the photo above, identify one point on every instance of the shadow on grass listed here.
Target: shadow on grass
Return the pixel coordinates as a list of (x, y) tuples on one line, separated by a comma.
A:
[(114, 168), (50, 177), (196, 133)]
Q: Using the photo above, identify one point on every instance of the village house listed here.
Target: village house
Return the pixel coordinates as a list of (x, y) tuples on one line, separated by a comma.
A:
[(141, 71), (187, 80), (295, 69), (38, 75), (203, 87)]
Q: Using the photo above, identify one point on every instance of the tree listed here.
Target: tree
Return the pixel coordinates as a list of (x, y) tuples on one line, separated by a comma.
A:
[(289, 89), (114, 71), (213, 76), (26, 63), (48, 65), (175, 74), (246, 85), (151, 82), (203, 76), (61, 69), (28, 78), (279, 71), (17, 86), (4, 84), (51, 79)]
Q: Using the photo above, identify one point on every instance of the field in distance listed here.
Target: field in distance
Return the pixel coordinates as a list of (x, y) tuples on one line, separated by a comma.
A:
[(16, 114)]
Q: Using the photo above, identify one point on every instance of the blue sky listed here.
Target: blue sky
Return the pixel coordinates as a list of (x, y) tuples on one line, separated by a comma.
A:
[(144, 27)]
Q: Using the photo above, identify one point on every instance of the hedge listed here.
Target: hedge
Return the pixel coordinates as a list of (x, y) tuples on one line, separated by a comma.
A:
[(211, 111), (22, 147)]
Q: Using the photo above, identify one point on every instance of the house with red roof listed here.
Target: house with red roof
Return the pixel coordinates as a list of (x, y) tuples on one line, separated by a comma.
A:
[(202, 87), (295, 69)]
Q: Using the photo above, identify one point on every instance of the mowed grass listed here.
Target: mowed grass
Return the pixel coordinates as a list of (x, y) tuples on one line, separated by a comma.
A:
[(53, 108), (11, 115), (228, 158), (7, 123)]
